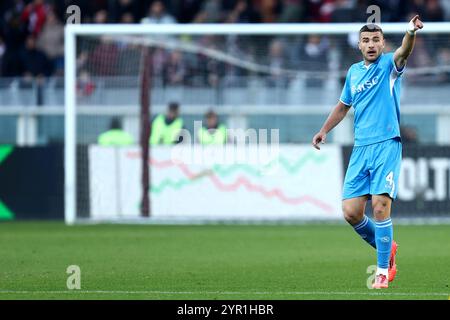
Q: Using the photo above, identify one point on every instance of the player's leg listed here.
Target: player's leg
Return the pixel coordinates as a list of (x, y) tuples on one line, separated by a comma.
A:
[(353, 210), (384, 232), (381, 206), (355, 195), (386, 163)]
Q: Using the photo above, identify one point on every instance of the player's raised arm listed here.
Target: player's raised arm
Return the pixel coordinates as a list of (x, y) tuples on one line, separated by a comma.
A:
[(403, 52), (339, 112)]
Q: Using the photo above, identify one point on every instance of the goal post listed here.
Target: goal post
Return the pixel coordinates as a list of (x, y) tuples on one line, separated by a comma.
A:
[(145, 130), (70, 167), (162, 36)]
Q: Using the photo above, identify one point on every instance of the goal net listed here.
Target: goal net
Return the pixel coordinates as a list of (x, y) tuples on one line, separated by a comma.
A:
[(280, 78)]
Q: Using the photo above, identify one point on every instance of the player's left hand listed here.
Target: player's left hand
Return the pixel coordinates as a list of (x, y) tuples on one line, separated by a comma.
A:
[(415, 24)]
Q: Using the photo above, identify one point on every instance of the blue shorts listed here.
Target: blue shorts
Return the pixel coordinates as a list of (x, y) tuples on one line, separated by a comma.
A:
[(374, 169)]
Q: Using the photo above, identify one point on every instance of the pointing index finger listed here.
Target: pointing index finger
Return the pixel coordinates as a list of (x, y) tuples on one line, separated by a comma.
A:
[(415, 18)]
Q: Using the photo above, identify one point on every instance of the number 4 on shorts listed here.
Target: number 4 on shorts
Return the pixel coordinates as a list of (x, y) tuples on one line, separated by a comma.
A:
[(390, 178)]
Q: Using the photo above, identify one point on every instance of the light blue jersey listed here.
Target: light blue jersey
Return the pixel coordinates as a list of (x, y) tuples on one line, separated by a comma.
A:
[(374, 93)]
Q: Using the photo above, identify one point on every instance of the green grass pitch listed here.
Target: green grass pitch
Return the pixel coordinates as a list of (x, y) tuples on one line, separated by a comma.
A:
[(316, 261)]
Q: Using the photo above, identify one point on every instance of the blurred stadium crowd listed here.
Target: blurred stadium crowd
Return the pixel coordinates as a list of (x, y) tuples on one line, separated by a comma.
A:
[(32, 35)]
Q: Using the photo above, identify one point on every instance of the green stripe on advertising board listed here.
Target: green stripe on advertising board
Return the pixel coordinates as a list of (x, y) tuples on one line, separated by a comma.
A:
[(5, 151), (5, 213)]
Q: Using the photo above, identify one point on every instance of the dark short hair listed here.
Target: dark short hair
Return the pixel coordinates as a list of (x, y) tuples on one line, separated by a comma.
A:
[(371, 28), (210, 114), (115, 123), (174, 106)]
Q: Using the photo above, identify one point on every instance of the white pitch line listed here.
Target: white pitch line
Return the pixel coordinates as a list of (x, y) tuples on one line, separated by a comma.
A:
[(227, 292)]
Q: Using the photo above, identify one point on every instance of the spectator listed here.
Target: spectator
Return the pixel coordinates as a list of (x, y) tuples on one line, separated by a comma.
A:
[(51, 42), (243, 12), (115, 136), (104, 58), (277, 61), (313, 57), (319, 10), (392, 10), (157, 14), (175, 69), (210, 12), (214, 72), (186, 10), (213, 132), (35, 62), (34, 16), (82, 60), (127, 17), (85, 85), (343, 11), (292, 11), (234, 76), (9, 8), (124, 10), (159, 61), (434, 11), (101, 17), (14, 37), (166, 128), (446, 8), (88, 8), (359, 13), (268, 9), (417, 7), (443, 59), (208, 70)]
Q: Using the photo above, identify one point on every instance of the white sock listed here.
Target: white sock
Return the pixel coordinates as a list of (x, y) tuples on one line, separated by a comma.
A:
[(383, 271)]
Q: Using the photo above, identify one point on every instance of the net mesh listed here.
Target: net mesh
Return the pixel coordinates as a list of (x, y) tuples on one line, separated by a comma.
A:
[(224, 68)]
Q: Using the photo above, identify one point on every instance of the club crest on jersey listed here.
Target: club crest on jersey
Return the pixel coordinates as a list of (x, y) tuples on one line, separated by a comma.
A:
[(365, 85)]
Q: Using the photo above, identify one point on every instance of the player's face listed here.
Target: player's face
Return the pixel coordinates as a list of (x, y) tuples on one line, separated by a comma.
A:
[(172, 114), (371, 45)]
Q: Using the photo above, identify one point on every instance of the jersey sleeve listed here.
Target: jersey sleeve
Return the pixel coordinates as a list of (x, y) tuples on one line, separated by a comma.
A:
[(346, 95), (391, 65)]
